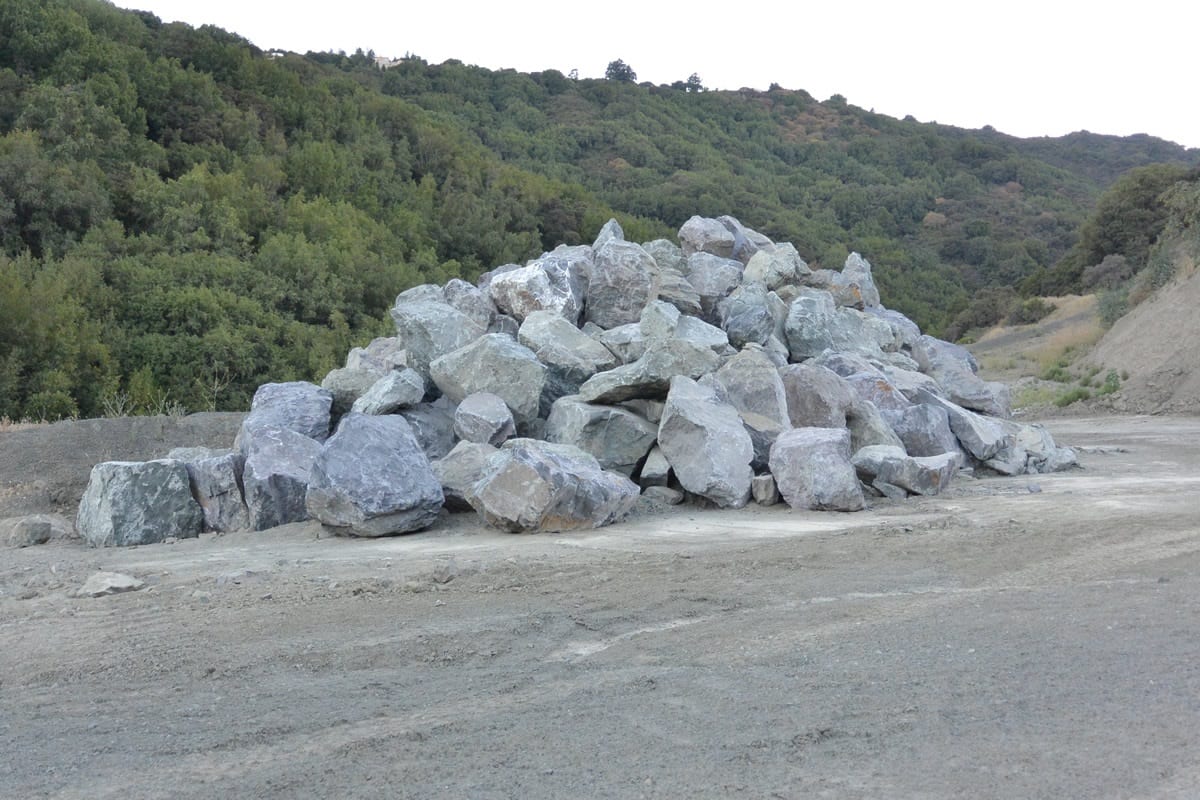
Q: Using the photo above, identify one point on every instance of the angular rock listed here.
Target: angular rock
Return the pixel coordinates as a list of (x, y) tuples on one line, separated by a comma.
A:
[(611, 231), (697, 331), (471, 301), (626, 342), (296, 406), (372, 479), (706, 444), (656, 470), (857, 273), (100, 584), (659, 320), (746, 241), (713, 278), (882, 464), (275, 477), (616, 437), (347, 385), (432, 329), (745, 315), (546, 332), (621, 283), (1030, 449), (667, 255), (854, 331), (868, 427), (676, 289), (703, 235), (875, 388), (980, 436), (433, 425), (776, 266), (816, 396), (137, 502), (26, 531), (947, 365), (925, 430), (497, 364), (751, 384), (663, 495), (506, 325), (556, 282), (215, 478), (905, 332), (812, 469), (764, 490), (381, 356), (398, 389), (458, 471), (650, 376), (810, 317), (538, 486), (484, 418)]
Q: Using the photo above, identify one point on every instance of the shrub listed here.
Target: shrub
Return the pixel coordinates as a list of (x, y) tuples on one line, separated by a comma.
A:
[(1072, 396)]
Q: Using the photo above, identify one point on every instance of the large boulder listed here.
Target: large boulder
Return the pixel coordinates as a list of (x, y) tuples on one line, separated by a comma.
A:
[(432, 328), (296, 406), (569, 354), (746, 241), (539, 486), (1029, 449), (713, 278), (697, 331), (745, 315), (812, 470), (381, 356), (751, 384), (497, 364), (484, 418), (372, 479), (617, 437), (397, 389), (704, 235), (433, 425), (626, 342), (215, 477), (982, 437), (868, 426), (817, 397), (275, 477), (776, 266), (621, 283), (857, 274), (347, 384), (556, 282), (138, 502), (925, 430), (676, 289), (459, 470), (809, 320), (880, 465), (650, 376), (470, 300), (954, 370), (706, 444)]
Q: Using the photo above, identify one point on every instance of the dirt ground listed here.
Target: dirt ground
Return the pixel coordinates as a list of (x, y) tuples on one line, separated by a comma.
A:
[(1015, 638)]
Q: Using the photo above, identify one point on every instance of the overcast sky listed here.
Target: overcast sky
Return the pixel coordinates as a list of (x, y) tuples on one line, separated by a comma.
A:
[(1027, 68)]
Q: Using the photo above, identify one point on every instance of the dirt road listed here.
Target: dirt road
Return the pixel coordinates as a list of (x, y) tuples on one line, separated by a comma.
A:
[(1013, 638)]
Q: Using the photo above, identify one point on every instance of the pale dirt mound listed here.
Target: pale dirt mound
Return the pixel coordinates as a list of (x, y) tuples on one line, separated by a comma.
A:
[(1158, 345)]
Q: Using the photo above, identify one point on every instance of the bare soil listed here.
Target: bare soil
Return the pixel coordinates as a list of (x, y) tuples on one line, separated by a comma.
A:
[(1014, 637)]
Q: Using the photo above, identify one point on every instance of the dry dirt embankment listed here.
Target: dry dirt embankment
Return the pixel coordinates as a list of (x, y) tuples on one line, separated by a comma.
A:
[(45, 468)]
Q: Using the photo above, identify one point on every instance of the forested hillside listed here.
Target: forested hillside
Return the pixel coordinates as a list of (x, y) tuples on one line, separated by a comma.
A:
[(183, 217)]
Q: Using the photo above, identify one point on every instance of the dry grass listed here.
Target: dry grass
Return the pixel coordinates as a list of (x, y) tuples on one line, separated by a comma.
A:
[(7, 424), (1075, 339)]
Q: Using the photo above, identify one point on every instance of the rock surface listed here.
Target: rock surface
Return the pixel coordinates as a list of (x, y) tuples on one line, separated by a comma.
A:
[(275, 477), (706, 444), (812, 469), (138, 502)]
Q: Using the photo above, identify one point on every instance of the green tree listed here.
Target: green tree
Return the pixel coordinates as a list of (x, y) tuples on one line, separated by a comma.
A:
[(620, 72)]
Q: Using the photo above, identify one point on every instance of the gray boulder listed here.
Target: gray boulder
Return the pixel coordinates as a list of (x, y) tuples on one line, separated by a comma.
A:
[(713, 278), (810, 318), (497, 364), (868, 427), (609, 232), (875, 388), (215, 478), (617, 437), (347, 385), (1029, 449), (539, 486), (432, 329), (925, 430), (656, 470), (666, 254), (746, 241), (296, 406), (745, 315), (776, 266), (905, 332), (659, 320), (556, 282), (458, 471), (697, 331), (433, 425), (484, 418), (471, 301), (650, 376), (621, 283), (816, 396), (138, 502), (372, 479), (626, 342), (33, 529), (275, 477), (706, 444), (982, 437), (764, 490), (857, 274), (954, 372), (812, 469), (676, 289), (882, 464), (570, 355), (398, 389), (751, 384), (704, 235), (381, 356)]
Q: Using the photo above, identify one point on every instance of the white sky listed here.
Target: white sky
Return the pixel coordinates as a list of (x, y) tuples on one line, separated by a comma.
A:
[(1027, 68)]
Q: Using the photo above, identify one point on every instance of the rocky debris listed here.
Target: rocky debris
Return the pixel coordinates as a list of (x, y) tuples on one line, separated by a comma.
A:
[(706, 444), (26, 531), (484, 418), (372, 479), (663, 495), (530, 485), (812, 469), (616, 437), (130, 503), (215, 478), (497, 364), (883, 464), (296, 406), (397, 389), (100, 584), (275, 477), (459, 470), (693, 366)]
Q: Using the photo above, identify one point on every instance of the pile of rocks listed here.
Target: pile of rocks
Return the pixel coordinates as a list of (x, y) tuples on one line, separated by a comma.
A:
[(549, 396)]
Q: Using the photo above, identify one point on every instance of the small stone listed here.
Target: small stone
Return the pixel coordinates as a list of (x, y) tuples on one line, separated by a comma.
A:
[(105, 583)]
